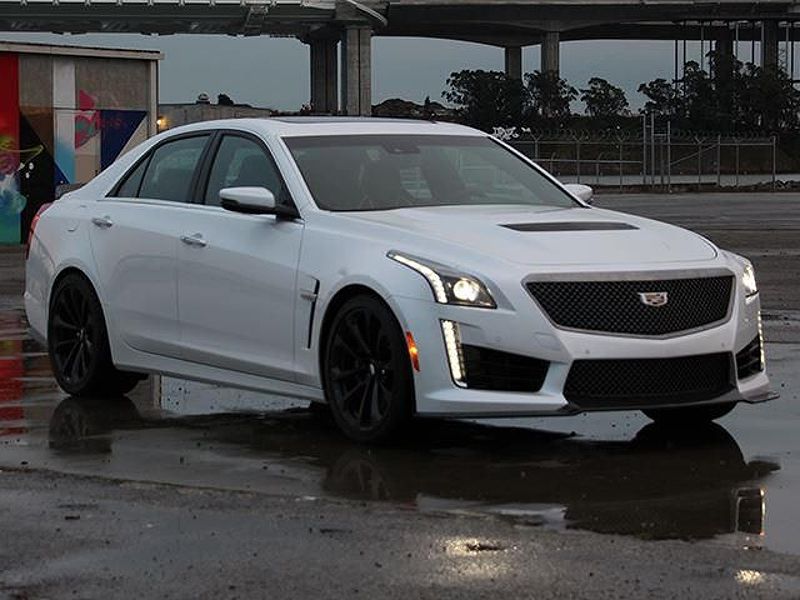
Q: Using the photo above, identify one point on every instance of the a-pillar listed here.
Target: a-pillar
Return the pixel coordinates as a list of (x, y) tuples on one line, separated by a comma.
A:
[(357, 71), (769, 46), (550, 53), (324, 75), (514, 62)]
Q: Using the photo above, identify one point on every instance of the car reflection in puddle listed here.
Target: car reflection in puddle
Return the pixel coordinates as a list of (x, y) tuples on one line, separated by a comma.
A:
[(661, 484)]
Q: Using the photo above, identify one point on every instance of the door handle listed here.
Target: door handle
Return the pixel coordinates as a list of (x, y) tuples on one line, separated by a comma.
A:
[(103, 222), (195, 240)]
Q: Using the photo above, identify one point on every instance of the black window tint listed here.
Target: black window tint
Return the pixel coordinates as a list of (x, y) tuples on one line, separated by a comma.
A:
[(382, 172), (242, 162), (169, 174), (130, 187)]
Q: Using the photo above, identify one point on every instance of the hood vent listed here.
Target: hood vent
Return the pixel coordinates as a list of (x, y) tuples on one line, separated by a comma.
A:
[(566, 226)]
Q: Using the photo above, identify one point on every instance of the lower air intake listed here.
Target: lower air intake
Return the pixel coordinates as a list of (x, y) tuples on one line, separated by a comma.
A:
[(629, 383)]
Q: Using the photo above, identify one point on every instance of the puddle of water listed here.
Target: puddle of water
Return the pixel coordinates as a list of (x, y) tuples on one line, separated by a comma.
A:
[(736, 482)]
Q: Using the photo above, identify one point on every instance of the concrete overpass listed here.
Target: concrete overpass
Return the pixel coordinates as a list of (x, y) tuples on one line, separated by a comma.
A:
[(339, 32)]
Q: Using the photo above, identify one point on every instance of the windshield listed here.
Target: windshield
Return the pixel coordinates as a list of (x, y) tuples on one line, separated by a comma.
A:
[(380, 172)]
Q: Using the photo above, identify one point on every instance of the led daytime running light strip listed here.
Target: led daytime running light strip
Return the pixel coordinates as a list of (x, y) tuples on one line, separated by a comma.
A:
[(455, 357), (429, 274)]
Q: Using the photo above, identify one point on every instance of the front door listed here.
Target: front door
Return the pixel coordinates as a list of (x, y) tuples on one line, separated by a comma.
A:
[(236, 272)]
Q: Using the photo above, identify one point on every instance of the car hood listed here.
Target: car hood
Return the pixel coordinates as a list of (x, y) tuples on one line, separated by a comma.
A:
[(549, 236)]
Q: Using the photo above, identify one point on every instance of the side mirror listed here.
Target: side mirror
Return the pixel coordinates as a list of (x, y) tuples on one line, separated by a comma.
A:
[(253, 201), (580, 191)]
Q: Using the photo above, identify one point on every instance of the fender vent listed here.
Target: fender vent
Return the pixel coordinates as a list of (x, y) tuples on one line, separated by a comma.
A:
[(565, 226)]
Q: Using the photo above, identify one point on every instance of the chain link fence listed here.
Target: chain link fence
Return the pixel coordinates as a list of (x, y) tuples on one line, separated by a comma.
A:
[(654, 158)]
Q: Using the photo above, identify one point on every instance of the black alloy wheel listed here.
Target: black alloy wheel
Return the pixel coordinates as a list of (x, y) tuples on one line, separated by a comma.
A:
[(78, 342), (367, 371)]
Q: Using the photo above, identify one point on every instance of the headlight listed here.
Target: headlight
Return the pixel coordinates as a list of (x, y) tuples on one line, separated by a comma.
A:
[(749, 280), (448, 286)]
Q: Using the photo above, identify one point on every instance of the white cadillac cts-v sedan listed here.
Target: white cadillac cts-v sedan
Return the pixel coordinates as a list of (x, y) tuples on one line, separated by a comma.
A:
[(388, 269)]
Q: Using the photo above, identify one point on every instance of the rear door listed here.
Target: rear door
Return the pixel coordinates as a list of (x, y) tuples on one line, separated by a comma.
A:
[(135, 233), (236, 272)]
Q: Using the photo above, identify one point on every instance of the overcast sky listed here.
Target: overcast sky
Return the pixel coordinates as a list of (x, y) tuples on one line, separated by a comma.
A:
[(274, 72)]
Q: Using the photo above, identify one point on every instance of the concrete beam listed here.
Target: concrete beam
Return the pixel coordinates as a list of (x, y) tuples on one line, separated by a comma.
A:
[(514, 62), (357, 71), (769, 44), (550, 53), (324, 76)]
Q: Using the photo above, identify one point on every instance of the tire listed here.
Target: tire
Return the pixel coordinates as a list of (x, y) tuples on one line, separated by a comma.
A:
[(77, 342), (690, 415), (367, 373)]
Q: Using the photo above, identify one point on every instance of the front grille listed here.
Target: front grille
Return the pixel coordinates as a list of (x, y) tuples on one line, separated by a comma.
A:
[(488, 369), (621, 383), (617, 306), (748, 359)]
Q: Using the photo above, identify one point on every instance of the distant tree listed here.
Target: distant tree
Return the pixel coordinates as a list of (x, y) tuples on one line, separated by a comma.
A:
[(662, 98), (603, 99), (549, 96), (733, 96), (224, 100), (771, 98), (486, 99)]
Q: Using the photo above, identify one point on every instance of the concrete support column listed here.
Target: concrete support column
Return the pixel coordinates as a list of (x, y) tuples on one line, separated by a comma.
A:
[(723, 48), (514, 62), (769, 45), (324, 76), (357, 71), (550, 53)]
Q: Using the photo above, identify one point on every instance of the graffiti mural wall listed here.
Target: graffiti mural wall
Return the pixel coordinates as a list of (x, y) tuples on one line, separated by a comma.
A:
[(62, 121), (12, 202)]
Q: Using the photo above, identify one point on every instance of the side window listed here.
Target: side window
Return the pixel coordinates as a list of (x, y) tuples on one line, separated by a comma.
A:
[(130, 186), (169, 174), (241, 162)]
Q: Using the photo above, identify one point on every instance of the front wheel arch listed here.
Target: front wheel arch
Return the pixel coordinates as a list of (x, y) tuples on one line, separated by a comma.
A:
[(339, 299)]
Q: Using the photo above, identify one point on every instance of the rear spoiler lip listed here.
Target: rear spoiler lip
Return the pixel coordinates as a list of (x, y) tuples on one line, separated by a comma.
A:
[(66, 188)]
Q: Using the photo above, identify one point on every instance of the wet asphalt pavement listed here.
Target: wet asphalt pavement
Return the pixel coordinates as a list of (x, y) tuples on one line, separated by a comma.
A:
[(161, 494)]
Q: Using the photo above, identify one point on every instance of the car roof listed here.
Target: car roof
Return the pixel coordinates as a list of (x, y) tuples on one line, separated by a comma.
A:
[(307, 126)]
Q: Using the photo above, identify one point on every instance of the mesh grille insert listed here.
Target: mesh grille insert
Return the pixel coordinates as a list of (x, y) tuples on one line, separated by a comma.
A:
[(488, 369), (621, 383), (748, 359), (618, 307)]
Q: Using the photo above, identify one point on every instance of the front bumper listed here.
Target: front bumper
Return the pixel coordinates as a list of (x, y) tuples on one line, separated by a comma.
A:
[(529, 333)]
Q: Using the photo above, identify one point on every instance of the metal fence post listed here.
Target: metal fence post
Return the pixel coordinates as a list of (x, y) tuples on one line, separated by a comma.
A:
[(578, 159), (774, 163), (719, 161), (644, 150), (620, 163), (652, 150), (597, 169), (669, 157), (736, 179), (699, 164)]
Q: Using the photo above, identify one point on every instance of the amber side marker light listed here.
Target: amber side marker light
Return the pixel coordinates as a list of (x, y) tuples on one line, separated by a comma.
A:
[(413, 352)]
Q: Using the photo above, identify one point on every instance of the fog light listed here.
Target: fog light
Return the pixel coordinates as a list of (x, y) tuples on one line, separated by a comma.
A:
[(455, 357)]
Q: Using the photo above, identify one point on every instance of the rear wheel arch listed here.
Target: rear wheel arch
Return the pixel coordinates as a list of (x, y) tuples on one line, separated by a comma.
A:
[(78, 341), (74, 270), (66, 272)]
